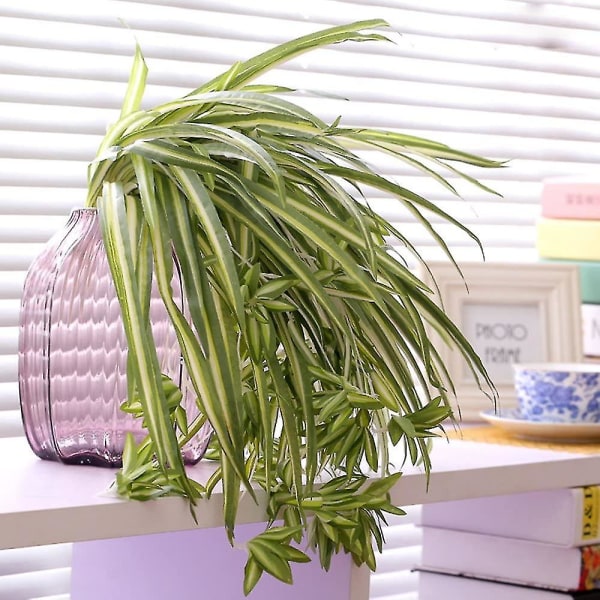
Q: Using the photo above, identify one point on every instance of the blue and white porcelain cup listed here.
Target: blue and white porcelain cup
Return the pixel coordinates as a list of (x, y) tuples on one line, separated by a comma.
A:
[(558, 392)]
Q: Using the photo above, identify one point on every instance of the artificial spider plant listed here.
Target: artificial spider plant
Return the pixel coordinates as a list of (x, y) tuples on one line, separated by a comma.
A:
[(304, 336)]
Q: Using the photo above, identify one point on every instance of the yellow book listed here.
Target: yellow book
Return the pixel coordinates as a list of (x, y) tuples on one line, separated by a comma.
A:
[(568, 239)]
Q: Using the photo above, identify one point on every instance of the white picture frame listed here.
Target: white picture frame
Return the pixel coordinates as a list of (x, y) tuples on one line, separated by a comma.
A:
[(511, 312)]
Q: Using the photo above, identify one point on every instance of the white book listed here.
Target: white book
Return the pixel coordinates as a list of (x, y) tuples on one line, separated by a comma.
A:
[(435, 586), (566, 516), (511, 560)]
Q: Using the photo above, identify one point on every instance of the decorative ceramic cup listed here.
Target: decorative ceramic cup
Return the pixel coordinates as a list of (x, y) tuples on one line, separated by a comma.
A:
[(558, 393)]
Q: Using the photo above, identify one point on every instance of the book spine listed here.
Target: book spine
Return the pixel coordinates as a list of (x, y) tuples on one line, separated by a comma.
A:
[(590, 515), (590, 568)]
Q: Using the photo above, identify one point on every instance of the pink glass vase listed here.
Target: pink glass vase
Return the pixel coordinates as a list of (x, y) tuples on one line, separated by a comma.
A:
[(73, 353)]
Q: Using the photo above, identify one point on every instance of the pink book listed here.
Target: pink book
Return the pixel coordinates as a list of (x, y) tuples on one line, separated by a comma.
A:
[(566, 198)]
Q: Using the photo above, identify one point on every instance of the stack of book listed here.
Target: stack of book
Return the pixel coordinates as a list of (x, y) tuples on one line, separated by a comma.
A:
[(532, 546), (569, 230)]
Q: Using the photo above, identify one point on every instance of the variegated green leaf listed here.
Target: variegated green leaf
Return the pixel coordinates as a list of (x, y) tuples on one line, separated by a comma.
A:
[(136, 85), (145, 361), (250, 69)]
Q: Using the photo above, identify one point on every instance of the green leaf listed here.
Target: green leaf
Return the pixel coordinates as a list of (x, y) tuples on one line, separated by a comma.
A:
[(267, 555), (292, 554), (363, 401), (319, 236), (204, 209), (229, 140), (216, 382), (278, 305), (144, 361), (406, 425), (382, 486), (289, 422), (280, 534), (275, 288), (254, 67), (136, 85), (300, 380), (252, 574), (231, 497), (395, 431), (371, 451), (333, 405)]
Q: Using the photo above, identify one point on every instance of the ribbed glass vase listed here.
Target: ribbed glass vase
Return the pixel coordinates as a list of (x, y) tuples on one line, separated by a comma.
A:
[(73, 353)]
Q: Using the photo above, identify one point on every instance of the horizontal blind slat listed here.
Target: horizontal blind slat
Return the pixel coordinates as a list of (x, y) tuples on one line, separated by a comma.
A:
[(11, 283), (405, 596), (36, 201), (8, 340), (29, 229), (9, 396), (385, 584), (23, 586), (17, 257), (38, 558), (412, 517), (11, 424), (8, 368), (402, 535), (405, 557), (40, 173), (9, 316), (501, 253)]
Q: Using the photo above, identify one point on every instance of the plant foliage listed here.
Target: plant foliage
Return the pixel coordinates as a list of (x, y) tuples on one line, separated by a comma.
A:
[(304, 337)]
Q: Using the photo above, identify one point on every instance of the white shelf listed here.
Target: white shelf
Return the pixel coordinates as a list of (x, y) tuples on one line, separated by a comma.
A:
[(44, 502)]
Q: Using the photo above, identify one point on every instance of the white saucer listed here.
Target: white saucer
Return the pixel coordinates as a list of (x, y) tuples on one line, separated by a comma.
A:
[(513, 424)]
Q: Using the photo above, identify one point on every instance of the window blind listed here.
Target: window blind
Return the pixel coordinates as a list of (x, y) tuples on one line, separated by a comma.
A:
[(36, 573), (394, 578), (504, 78)]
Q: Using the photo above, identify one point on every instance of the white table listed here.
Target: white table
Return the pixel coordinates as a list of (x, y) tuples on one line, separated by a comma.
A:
[(44, 502)]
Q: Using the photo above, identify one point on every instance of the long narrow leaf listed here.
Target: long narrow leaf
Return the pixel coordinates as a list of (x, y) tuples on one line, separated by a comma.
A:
[(136, 85), (145, 361), (202, 206), (284, 52), (302, 387), (212, 370)]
